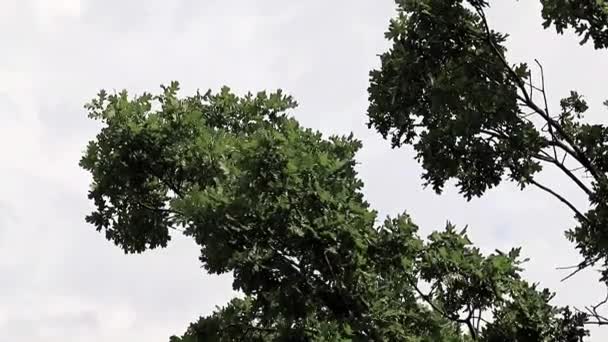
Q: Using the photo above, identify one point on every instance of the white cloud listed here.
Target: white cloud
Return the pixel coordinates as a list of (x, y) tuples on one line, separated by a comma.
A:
[(58, 273), (57, 9)]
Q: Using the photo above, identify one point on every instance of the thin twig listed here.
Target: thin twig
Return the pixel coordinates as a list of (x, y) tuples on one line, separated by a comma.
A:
[(581, 266), (544, 92), (577, 153), (577, 168), (531, 86), (573, 273), (547, 158), (561, 198)]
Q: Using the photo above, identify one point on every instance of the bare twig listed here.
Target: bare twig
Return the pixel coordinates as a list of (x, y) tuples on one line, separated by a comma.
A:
[(567, 267), (577, 168), (573, 273), (579, 267), (591, 311), (576, 152), (544, 92), (531, 86), (469, 323), (526, 115), (547, 158), (561, 198)]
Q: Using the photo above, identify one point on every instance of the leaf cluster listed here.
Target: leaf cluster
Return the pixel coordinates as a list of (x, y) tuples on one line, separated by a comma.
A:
[(280, 207)]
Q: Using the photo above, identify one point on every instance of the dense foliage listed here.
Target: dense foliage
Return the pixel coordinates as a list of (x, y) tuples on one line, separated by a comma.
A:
[(446, 87), (588, 18), (280, 206)]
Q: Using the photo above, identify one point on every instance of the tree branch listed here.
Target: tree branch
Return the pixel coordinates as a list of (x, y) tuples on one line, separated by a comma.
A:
[(544, 92), (568, 172), (164, 210), (561, 198), (581, 266), (592, 312), (454, 318), (578, 154)]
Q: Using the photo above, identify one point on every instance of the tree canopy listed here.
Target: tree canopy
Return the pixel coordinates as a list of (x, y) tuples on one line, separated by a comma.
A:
[(281, 207), (446, 88)]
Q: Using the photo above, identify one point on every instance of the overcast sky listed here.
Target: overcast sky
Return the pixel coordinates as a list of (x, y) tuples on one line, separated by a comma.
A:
[(62, 281)]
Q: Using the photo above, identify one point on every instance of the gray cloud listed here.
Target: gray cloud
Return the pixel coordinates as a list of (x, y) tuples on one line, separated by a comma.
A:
[(63, 281)]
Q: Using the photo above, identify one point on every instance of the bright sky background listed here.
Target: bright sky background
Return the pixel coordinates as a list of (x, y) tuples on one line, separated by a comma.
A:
[(62, 281)]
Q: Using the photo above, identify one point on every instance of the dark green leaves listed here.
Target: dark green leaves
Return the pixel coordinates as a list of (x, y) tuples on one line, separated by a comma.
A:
[(443, 87), (588, 18), (145, 159), (446, 88), (280, 207), (527, 317)]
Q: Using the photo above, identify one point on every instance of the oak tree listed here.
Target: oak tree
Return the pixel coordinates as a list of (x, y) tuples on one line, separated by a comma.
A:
[(280, 207), (447, 88)]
